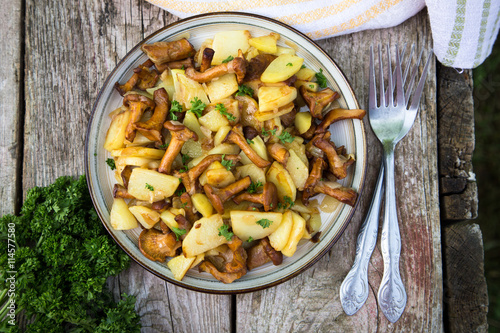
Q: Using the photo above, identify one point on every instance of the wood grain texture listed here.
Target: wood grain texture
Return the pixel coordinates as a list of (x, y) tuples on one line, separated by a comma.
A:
[(10, 108), (466, 295), (310, 302), (71, 47), (456, 137)]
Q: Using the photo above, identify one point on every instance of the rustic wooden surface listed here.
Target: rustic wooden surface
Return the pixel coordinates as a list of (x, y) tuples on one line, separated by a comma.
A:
[(456, 145), (465, 294), (70, 48)]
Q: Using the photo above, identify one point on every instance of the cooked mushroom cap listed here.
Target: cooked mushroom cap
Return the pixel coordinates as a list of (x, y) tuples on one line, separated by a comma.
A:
[(234, 262), (156, 245)]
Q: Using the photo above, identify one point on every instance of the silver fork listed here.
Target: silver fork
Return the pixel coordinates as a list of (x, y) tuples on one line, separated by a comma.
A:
[(354, 289), (390, 122)]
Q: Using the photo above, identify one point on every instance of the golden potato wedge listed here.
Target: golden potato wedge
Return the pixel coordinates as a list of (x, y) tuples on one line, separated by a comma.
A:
[(299, 224), (280, 177), (279, 238), (282, 68), (254, 224), (258, 145), (120, 216), (191, 122), (305, 74), (169, 219), (189, 90), (150, 153), (284, 50), (221, 135), (214, 165), (271, 98), (180, 265), (303, 121), (256, 174), (143, 180), (222, 87), (202, 204), (275, 113), (213, 120), (199, 258), (115, 137), (227, 43), (146, 216), (220, 177), (203, 236), (265, 43), (297, 170)]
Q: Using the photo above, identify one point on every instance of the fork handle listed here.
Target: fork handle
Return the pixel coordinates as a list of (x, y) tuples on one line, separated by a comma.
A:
[(391, 294), (354, 289)]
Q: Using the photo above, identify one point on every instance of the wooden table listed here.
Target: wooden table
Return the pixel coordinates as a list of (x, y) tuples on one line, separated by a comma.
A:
[(57, 54)]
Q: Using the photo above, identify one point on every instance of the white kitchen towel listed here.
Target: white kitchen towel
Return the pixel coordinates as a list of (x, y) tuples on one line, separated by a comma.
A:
[(463, 31)]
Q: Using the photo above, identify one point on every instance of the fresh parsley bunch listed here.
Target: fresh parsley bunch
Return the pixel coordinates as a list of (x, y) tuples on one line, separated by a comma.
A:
[(63, 256)]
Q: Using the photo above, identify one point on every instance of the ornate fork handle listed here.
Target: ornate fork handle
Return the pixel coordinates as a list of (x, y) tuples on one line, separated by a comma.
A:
[(354, 288), (391, 294)]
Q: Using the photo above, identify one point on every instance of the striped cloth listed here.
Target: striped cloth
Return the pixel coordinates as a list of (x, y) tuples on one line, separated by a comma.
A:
[(463, 31)]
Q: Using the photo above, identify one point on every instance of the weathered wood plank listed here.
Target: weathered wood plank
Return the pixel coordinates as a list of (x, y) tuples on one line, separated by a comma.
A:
[(10, 109), (456, 144), (310, 302), (465, 292), (71, 47)]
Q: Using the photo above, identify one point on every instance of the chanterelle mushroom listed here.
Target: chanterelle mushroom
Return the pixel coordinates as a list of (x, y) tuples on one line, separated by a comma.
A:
[(236, 136), (190, 177), (137, 104), (151, 129), (338, 164), (236, 66), (263, 253), (156, 245), (336, 115), (268, 198), (206, 59), (162, 52), (218, 196), (234, 263), (143, 78), (317, 101), (180, 134)]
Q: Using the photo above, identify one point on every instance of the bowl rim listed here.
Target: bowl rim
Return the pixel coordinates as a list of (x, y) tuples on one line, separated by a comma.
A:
[(179, 283)]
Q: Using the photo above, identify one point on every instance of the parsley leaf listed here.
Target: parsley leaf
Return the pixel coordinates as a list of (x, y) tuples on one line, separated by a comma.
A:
[(175, 107), (111, 163), (185, 158), (180, 191), (267, 133), (288, 201), (228, 59), (320, 77), (223, 111), (264, 223), (163, 146), (286, 137), (178, 232), (224, 231), (244, 90), (149, 187), (254, 186), (303, 66), (250, 142), (250, 239), (226, 163), (197, 107), (289, 64)]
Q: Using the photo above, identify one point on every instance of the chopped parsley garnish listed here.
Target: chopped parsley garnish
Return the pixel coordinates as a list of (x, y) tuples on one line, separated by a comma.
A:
[(163, 146), (264, 223), (311, 86), (149, 187), (303, 66), (286, 137), (250, 239), (197, 107), (228, 59), (184, 204), (111, 163), (244, 90), (270, 132), (183, 67), (288, 201), (223, 111), (175, 107), (320, 77), (250, 142), (178, 232), (223, 231), (289, 64), (254, 186), (226, 163)]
